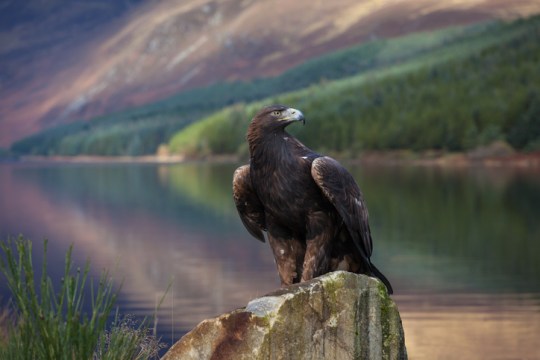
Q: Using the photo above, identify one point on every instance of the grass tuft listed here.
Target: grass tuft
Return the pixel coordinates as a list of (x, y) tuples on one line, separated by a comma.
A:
[(127, 340), (52, 324)]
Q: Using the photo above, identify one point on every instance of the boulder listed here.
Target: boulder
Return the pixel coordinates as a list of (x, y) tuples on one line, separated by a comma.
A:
[(340, 315)]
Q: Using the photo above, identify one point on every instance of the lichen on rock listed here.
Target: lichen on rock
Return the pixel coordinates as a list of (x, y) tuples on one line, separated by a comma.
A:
[(339, 315)]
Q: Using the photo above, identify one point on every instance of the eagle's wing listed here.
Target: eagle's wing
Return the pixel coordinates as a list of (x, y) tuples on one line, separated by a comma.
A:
[(339, 187), (249, 206)]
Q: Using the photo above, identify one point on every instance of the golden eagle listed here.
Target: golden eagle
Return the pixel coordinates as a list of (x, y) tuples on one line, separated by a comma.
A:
[(309, 205)]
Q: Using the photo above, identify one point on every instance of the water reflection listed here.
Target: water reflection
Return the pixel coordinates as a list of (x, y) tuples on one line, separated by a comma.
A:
[(125, 218), (462, 247)]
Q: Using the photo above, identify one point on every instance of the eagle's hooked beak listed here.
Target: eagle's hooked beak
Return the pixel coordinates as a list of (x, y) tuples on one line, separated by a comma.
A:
[(294, 115)]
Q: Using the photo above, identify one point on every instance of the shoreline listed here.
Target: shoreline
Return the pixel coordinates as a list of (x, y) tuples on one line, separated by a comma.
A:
[(146, 159), (375, 158), (454, 160)]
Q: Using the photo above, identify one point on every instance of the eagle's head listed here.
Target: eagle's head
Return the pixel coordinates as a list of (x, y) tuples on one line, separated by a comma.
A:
[(277, 117)]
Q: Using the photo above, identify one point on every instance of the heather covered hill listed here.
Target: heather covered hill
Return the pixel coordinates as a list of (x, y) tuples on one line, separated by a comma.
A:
[(141, 130), (454, 89), (64, 61)]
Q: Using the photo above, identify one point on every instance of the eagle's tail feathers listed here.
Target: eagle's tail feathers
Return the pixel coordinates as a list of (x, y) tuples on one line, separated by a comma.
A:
[(383, 278)]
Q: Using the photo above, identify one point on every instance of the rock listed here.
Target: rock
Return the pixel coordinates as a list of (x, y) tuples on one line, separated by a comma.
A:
[(340, 315)]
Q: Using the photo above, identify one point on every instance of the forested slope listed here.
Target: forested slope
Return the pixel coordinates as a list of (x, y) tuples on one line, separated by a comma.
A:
[(450, 101), (389, 90)]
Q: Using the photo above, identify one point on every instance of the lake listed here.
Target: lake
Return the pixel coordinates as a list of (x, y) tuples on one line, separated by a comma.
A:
[(461, 246)]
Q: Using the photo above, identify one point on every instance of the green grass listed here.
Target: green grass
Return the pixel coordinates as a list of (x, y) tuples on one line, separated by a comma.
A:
[(51, 323)]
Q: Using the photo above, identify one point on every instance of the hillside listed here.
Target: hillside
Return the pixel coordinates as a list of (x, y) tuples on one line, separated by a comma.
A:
[(64, 61), (463, 96), (140, 131)]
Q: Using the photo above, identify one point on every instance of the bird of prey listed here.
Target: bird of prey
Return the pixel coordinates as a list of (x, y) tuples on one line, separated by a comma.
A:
[(309, 205)]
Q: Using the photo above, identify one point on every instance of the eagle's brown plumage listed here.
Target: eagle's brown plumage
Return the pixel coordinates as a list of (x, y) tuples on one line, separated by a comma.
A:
[(309, 205)]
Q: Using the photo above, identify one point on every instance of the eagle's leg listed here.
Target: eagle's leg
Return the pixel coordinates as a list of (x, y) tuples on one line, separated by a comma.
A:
[(320, 233), (289, 254)]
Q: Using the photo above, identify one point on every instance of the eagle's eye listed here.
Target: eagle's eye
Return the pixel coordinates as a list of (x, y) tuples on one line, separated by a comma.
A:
[(276, 113)]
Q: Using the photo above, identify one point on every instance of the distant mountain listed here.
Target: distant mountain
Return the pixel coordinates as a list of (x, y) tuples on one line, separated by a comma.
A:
[(67, 60)]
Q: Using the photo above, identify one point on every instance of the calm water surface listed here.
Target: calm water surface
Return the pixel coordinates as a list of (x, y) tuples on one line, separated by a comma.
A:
[(461, 246)]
